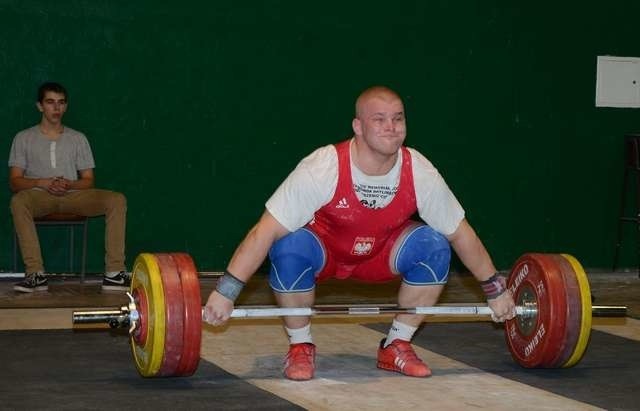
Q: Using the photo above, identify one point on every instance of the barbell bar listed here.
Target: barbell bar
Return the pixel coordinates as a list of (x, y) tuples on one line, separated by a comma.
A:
[(551, 329), (121, 318)]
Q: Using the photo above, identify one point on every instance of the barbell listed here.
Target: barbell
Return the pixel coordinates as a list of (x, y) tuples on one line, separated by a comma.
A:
[(551, 329)]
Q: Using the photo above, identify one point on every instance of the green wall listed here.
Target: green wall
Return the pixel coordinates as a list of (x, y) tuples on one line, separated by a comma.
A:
[(197, 112)]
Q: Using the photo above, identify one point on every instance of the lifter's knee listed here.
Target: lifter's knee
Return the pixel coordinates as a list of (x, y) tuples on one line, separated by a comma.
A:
[(295, 260), (424, 256)]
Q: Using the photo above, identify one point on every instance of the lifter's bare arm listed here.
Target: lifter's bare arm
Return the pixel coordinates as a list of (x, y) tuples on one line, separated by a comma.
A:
[(475, 257), (245, 261)]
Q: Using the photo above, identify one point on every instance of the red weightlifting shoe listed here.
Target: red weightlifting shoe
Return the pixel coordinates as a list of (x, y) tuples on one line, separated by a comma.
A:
[(300, 362), (400, 357)]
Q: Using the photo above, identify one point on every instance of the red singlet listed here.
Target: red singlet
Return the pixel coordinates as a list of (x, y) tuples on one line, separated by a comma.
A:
[(358, 239)]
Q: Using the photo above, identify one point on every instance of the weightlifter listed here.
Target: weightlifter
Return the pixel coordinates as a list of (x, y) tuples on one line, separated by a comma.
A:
[(345, 212)]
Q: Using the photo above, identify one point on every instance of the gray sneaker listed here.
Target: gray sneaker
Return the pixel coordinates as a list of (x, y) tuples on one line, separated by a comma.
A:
[(32, 282), (119, 282)]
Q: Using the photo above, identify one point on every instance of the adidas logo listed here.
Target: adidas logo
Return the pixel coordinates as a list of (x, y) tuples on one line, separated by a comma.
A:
[(342, 203), (400, 363)]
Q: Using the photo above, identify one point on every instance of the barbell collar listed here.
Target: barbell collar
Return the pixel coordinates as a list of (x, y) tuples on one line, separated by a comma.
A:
[(116, 318), (609, 311), (98, 316)]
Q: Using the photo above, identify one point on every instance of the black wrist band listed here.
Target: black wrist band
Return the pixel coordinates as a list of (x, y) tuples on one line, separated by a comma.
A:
[(229, 286), (494, 286)]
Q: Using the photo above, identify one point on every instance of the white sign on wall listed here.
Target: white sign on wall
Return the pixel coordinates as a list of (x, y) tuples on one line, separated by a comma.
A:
[(618, 82)]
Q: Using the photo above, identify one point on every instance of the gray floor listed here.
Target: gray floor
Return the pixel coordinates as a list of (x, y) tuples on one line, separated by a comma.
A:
[(469, 359)]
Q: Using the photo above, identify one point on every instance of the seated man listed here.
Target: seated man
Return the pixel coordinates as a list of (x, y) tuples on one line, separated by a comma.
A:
[(51, 171), (344, 212)]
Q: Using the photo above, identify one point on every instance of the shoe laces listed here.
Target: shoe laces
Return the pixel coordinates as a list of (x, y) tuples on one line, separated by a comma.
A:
[(31, 278), (300, 352), (404, 351), (122, 274)]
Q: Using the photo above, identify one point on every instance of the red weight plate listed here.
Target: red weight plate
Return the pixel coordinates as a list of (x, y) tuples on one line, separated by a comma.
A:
[(573, 314), (556, 340), (174, 317), (531, 340), (192, 314)]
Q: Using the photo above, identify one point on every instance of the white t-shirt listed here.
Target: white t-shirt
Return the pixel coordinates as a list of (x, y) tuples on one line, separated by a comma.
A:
[(313, 182)]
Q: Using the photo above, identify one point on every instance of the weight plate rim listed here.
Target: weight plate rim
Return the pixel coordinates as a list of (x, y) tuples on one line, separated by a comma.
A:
[(155, 325), (559, 320), (585, 329), (573, 312), (192, 323), (174, 313)]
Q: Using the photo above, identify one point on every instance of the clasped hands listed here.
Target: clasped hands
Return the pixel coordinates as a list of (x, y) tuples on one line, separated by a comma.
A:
[(58, 186)]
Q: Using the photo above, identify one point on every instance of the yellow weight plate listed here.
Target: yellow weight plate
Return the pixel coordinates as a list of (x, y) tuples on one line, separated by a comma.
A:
[(585, 326), (146, 275)]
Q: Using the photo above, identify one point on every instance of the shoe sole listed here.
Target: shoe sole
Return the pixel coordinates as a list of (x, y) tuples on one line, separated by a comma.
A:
[(387, 367), (30, 290), (298, 379), (293, 378), (115, 288)]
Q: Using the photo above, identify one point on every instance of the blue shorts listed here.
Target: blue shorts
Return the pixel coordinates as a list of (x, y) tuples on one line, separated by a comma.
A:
[(422, 257)]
